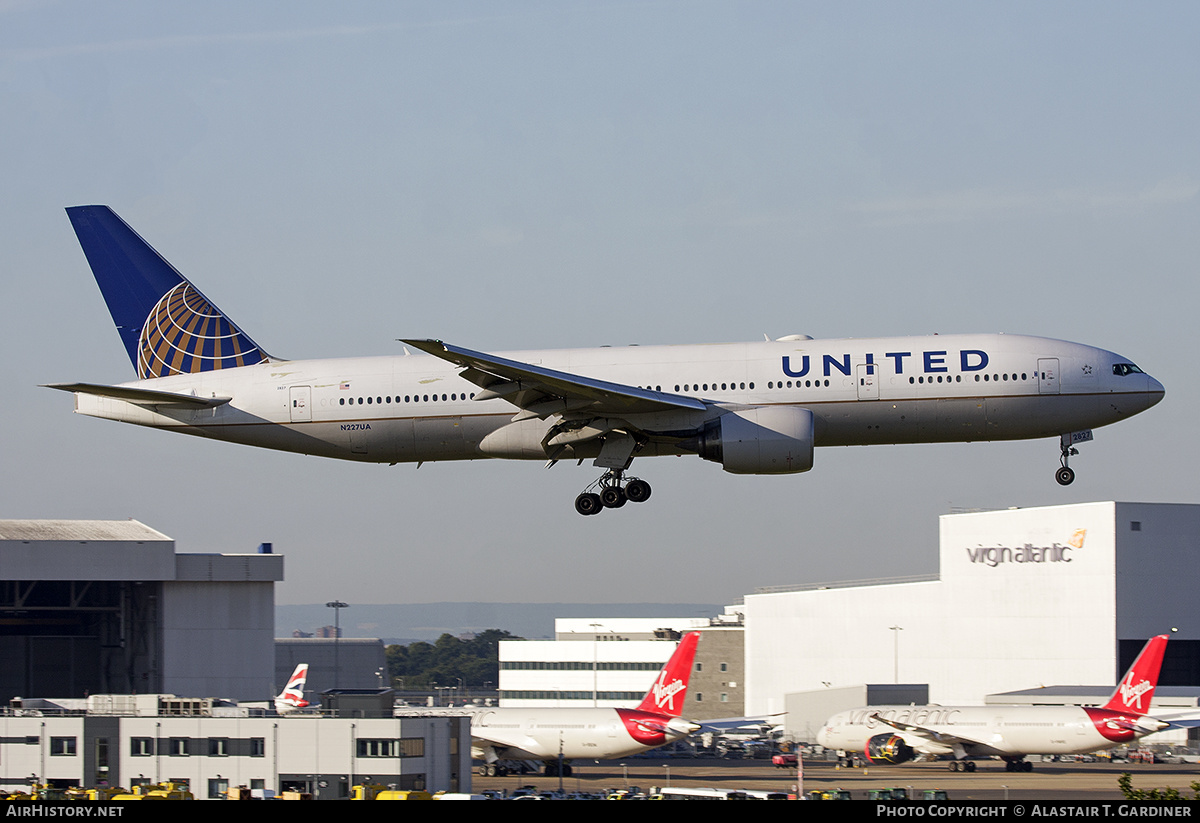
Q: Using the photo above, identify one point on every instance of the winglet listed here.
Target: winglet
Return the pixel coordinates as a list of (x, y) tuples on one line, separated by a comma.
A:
[(1134, 692), (667, 694), (167, 325)]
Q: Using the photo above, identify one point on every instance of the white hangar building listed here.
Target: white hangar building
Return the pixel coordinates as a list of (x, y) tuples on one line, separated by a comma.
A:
[(1024, 598)]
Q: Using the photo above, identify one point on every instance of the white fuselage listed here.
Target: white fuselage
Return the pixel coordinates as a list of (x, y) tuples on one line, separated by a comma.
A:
[(1006, 731), (951, 388), (544, 733)]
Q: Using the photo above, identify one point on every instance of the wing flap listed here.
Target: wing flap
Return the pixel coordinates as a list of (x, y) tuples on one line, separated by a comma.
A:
[(528, 387)]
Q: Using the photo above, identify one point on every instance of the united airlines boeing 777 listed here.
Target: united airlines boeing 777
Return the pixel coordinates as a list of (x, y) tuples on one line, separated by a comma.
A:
[(754, 408)]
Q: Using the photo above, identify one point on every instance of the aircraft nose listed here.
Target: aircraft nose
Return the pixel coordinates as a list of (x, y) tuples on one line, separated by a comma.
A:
[(1155, 390)]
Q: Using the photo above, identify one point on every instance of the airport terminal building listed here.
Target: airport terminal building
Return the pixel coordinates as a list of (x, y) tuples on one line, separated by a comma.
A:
[(1025, 598), (612, 662)]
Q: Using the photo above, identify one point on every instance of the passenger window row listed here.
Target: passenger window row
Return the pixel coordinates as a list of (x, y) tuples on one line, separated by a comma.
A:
[(408, 398)]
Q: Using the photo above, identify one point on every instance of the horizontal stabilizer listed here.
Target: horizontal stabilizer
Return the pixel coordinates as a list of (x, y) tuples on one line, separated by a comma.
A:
[(142, 396)]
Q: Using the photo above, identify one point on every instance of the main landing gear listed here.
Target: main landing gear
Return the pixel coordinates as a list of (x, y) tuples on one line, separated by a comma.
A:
[(612, 491), (962, 765), (1018, 765)]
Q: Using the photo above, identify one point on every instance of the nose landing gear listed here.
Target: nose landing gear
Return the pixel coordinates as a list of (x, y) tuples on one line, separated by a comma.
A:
[(1065, 475), (612, 491)]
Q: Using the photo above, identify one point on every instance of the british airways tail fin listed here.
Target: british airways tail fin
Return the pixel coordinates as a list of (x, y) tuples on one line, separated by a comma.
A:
[(669, 691), (168, 327), (292, 697), (1133, 693)]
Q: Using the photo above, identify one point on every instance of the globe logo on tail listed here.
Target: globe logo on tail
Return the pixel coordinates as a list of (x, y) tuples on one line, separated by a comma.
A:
[(185, 333)]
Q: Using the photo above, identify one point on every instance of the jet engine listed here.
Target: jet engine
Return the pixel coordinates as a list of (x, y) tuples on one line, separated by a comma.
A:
[(759, 440), (888, 748)]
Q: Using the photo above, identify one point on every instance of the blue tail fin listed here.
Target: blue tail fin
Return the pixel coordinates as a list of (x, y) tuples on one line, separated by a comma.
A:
[(167, 325)]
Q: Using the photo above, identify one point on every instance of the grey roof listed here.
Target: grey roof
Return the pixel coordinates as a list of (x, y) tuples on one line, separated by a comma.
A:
[(78, 530)]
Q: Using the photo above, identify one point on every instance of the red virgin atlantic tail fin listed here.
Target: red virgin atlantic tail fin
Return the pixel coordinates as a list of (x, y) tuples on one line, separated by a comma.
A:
[(1133, 693), (667, 694)]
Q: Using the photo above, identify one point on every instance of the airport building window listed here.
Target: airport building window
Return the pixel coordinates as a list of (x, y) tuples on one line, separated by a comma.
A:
[(218, 747), (577, 666), (378, 748), (62, 746), (178, 747), (405, 747), (258, 747), (625, 697), (141, 746), (218, 788)]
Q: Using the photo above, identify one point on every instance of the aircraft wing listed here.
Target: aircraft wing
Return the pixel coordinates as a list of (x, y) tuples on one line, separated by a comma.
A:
[(1183, 720), (937, 741), (540, 392), (762, 722), (133, 394)]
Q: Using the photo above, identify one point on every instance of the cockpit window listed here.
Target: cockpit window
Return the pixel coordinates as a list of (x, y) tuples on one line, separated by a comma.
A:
[(1122, 369)]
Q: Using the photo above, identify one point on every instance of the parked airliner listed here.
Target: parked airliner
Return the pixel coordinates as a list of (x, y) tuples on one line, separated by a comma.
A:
[(291, 699), (754, 408), (548, 734), (897, 734)]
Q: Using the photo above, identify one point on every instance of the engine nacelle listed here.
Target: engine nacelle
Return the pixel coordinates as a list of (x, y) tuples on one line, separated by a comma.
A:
[(888, 748), (762, 440)]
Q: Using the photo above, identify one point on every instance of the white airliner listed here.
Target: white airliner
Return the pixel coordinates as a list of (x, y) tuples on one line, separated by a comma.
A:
[(897, 734), (548, 734), (755, 408), (291, 699)]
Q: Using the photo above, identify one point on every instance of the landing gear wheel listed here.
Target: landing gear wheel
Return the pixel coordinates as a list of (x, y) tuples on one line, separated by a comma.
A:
[(954, 764), (613, 497), (638, 491), (1065, 476), (588, 503), (969, 765)]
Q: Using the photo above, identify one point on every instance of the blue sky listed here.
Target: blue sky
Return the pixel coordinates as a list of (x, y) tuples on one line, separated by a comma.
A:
[(545, 174)]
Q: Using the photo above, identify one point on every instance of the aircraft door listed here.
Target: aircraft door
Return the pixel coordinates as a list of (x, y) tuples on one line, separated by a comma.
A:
[(868, 381), (300, 400), (1048, 375)]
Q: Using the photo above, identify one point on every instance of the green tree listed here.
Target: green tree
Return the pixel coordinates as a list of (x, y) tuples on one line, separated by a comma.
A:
[(1125, 784), (475, 661)]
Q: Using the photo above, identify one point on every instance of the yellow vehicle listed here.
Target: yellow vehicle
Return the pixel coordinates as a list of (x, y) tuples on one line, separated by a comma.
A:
[(157, 791), (374, 791)]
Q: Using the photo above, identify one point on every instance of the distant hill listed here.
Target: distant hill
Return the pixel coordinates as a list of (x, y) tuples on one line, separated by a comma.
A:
[(428, 621)]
